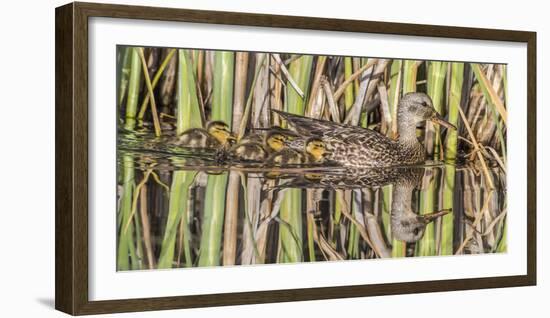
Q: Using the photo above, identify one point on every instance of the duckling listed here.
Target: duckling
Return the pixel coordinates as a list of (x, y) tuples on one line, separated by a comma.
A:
[(252, 137), (261, 134), (275, 141), (216, 135), (258, 150), (285, 157), (248, 151), (282, 155), (315, 150)]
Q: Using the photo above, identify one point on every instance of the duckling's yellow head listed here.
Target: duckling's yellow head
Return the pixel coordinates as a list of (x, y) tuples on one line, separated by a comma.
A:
[(220, 131), (316, 148), (276, 141)]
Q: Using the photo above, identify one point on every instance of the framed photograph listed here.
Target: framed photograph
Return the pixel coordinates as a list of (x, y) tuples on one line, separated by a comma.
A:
[(219, 158)]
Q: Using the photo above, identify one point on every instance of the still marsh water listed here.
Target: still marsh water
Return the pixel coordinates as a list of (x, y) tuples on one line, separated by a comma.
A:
[(193, 210)]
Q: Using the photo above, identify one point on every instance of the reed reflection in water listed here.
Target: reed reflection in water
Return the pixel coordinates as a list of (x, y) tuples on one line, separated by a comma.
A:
[(397, 212)]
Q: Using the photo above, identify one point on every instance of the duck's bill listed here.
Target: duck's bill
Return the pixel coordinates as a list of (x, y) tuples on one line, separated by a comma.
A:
[(427, 218), (436, 118), (231, 140)]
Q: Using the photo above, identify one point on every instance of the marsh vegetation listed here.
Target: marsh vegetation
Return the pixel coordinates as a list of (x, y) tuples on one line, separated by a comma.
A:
[(182, 207)]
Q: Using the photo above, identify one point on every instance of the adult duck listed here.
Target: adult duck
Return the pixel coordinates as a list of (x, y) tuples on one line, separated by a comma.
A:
[(354, 146)]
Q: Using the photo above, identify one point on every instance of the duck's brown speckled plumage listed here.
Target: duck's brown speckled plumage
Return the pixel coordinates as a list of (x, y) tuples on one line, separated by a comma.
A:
[(354, 146)]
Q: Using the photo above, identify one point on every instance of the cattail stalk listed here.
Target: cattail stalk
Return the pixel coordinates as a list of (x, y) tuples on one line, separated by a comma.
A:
[(126, 244), (214, 208), (291, 208)]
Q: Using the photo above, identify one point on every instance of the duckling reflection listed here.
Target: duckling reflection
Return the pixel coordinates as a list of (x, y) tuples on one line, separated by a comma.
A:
[(406, 225)]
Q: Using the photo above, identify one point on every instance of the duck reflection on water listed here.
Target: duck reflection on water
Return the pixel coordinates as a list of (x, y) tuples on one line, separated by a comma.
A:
[(406, 225)]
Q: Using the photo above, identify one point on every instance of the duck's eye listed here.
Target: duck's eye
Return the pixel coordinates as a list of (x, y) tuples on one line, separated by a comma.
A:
[(424, 103), (416, 231)]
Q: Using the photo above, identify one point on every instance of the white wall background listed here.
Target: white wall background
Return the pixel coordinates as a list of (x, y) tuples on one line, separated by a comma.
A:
[(27, 158)]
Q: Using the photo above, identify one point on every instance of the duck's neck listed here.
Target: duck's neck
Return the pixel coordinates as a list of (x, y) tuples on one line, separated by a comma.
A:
[(401, 200), (407, 131)]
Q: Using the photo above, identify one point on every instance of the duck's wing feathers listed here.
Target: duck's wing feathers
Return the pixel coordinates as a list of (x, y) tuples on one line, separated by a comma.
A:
[(315, 127), (308, 126)]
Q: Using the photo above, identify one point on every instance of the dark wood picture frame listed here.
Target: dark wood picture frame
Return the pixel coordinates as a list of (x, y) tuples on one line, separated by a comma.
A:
[(71, 109)]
